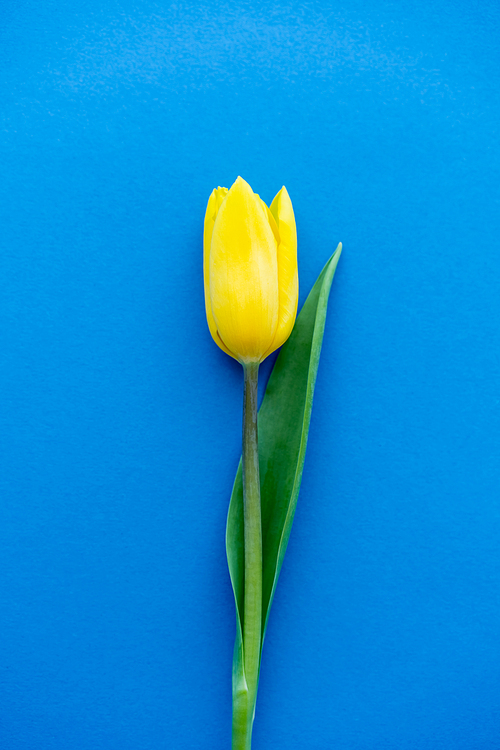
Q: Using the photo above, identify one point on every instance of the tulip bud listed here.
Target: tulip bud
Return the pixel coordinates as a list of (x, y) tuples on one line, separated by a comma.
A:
[(250, 271)]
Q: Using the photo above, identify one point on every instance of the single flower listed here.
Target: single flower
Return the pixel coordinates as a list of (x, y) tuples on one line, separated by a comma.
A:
[(250, 271), (251, 293)]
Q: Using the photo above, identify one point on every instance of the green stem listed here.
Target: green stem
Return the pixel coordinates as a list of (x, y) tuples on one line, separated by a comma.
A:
[(244, 703)]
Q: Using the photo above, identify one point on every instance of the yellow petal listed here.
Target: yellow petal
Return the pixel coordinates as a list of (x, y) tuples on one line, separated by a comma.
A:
[(271, 219), (288, 278), (214, 203), (243, 274)]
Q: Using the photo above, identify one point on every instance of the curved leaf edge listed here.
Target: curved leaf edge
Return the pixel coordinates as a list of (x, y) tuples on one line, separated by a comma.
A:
[(325, 280)]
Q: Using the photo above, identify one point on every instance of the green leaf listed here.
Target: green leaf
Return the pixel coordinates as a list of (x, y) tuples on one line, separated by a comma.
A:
[(284, 418)]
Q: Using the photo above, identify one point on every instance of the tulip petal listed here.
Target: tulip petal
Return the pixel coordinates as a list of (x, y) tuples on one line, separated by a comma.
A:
[(243, 274), (271, 219), (288, 279), (214, 203)]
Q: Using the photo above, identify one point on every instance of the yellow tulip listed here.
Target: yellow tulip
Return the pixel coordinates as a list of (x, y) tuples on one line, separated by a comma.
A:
[(250, 271)]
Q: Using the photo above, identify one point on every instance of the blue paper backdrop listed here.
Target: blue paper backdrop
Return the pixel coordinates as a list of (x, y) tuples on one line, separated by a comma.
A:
[(121, 419)]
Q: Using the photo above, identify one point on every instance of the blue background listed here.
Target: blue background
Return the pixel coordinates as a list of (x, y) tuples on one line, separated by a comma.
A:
[(121, 419)]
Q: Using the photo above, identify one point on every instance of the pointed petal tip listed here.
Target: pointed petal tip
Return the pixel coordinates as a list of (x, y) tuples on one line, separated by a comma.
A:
[(240, 190), (241, 184)]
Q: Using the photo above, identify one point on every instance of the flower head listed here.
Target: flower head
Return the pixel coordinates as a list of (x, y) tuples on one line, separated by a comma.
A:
[(250, 271)]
